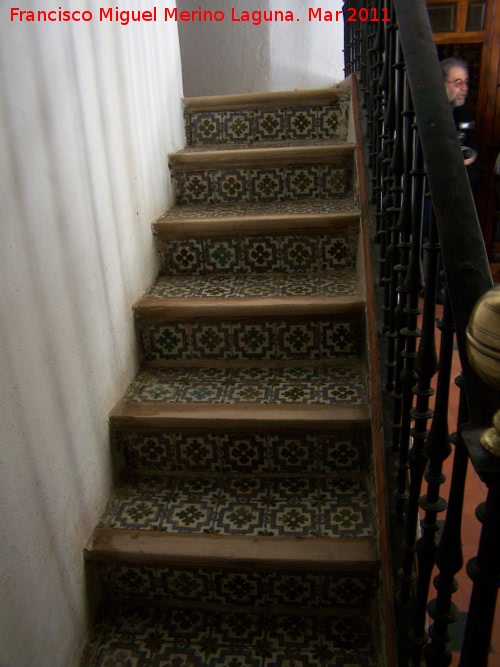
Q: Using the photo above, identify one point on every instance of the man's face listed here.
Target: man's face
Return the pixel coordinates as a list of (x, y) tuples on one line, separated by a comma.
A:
[(457, 85)]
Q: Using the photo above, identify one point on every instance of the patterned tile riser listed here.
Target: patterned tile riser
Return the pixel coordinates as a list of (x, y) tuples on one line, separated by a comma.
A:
[(266, 184), (252, 254), (158, 637), (154, 452), (250, 505), (249, 126), (269, 340), (176, 585)]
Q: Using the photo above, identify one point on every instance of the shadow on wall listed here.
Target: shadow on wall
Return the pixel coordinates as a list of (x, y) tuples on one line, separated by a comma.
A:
[(280, 47), (224, 57)]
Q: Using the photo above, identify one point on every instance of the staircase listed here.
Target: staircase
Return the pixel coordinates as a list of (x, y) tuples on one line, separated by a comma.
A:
[(248, 525)]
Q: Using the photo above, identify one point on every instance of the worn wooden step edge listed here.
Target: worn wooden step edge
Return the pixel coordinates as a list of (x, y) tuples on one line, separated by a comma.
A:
[(233, 551), (314, 97), (196, 309), (238, 225), (268, 156), (239, 418)]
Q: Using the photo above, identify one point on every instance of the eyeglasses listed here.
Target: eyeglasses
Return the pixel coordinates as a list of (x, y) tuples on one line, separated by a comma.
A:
[(459, 83)]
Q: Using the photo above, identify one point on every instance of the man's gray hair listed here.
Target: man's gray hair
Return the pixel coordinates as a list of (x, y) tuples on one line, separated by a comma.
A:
[(448, 63)]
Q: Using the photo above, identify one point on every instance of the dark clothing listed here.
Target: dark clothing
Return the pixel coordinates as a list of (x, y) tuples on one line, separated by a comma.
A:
[(467, 138)]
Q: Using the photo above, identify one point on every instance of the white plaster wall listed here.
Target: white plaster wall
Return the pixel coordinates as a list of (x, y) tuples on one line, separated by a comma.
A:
[(88, 115), (222, 58), (236, 57)]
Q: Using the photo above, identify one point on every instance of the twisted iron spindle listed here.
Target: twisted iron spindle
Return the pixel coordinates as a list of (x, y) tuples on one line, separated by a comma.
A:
[(413, 284), (394, 211), (449, 557), (426, 365), (401, 269), (438, 449)]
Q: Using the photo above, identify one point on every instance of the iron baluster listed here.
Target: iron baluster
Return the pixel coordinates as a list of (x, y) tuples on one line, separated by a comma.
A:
[(449, 557), (397, 167), (438, 449), (426, 365), (410, 333)]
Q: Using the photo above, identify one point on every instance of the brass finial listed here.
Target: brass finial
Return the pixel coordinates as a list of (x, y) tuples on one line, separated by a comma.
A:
[(483, 349)]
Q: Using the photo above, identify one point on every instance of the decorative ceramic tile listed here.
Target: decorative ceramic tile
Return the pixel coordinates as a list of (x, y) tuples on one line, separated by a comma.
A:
[(230, 186), (301, 123), (254, 341), (261, 254), (294, 123), (222, 255), (154, 451), (338, 251), (299, 341), (197, 453), (340, 338), (250, 505), (249, 254), (211, 341), (239, 126), (312, 591), (332, 121), (239, 185), (164, 341), (340, 383), (206, 127), (270, 125), (192, 187), (144, 636), (266, 185), (184, 257), (335, 182), (302, 207), (245, 453), (148, 452), (266, 284), (302, 182), (299, 253)]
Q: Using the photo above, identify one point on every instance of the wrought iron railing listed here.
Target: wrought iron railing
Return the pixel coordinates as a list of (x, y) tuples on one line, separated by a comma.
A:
[(418, 177)]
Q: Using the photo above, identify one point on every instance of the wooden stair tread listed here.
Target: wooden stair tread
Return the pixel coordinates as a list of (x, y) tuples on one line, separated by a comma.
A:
[(340, 554), (316, 96), (260, 145), (194, 309), (247, 224), (247, 417), (323, 152)]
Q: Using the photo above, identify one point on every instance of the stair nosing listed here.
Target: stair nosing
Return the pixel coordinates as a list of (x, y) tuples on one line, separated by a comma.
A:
[(242, 417), (238, 225), (207, 159), (268, 99), (195, 309), (347, 554)]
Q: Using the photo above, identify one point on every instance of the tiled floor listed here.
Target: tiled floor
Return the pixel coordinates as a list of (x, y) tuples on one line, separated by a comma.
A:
[(475, 493)]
